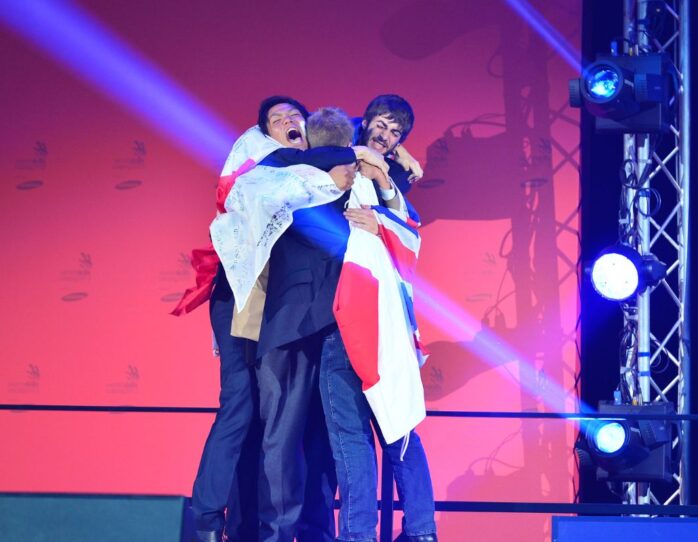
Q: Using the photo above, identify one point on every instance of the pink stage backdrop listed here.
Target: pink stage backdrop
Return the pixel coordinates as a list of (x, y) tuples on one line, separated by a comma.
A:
[(102, 200)]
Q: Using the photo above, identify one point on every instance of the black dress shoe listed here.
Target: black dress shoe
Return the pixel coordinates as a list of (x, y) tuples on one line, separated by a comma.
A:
[(209, 536), (421, 538)]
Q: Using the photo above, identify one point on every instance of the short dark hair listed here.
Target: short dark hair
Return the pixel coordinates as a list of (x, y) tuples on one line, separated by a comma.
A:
[(396, 108), (270, 102), (329, 126)]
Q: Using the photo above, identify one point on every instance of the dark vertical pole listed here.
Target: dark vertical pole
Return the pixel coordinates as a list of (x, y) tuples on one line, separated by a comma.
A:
[(386, 502), (601, 157)]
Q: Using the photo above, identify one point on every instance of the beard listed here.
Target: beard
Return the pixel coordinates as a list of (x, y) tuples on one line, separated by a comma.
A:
[(368, 135)]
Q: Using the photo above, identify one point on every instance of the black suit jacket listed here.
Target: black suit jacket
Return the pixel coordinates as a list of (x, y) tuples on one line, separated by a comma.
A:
[(305, 262)]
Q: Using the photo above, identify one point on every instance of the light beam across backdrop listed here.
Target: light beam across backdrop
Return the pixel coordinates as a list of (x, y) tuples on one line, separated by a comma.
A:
[(77, 40), (98, 56), (118, 345)]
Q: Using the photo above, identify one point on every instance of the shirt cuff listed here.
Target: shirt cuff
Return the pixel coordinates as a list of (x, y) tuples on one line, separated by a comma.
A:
[(388, 194)]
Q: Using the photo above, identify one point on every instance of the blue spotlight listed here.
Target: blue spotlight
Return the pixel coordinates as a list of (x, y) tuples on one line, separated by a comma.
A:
[(637, 449), (620, 272), (603, 82), (609, 437), (626, 93)]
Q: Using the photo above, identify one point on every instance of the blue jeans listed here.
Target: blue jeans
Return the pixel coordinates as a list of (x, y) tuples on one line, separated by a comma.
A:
[(351, 438)]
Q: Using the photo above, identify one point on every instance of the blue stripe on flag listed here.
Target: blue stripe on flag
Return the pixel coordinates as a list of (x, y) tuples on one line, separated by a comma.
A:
[(412, 212), (392, 216), (408, 305)]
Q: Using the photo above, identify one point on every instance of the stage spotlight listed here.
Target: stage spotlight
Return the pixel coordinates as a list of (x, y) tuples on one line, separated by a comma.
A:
[(629, 450), (620, 272), (603, 83), (625, 93), (609, 437)]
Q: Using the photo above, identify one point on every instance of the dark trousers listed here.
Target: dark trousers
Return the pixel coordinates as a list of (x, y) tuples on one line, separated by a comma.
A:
[(227, 475), (295, 447)]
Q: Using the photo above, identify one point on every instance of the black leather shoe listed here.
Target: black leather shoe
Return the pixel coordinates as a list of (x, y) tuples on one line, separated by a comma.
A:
[(209, 536), (421, 538)]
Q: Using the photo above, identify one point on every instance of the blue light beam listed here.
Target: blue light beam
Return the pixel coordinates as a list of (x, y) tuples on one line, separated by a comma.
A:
[(489, 347), (548, 32), (90, 50)]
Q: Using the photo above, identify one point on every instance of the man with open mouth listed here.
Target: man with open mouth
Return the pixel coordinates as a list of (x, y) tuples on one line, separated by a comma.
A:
[(286, 124), (297, 310), (286, 365), (303, 269), (299, 334)]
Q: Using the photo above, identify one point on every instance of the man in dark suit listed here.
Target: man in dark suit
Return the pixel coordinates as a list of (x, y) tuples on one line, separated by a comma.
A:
[(215, 489), (300, 343), (303, 267)]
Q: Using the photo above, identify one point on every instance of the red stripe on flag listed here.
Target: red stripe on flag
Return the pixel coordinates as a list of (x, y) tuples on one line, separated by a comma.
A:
[(420, 346), (225, 183), (404, 259), (205, 262), (356, 310)]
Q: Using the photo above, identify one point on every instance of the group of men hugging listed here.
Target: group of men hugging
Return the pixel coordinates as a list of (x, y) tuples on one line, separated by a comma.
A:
[(294, 423)]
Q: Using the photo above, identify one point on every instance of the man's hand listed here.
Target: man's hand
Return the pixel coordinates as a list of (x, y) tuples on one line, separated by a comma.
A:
[(372, 172), (363, 218), (371, 157), (408, 163), (343, 176)]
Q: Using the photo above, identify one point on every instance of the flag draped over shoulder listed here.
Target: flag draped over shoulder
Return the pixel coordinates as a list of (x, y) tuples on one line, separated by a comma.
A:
[(250, 148), (259, 208), (374, 311), (373, 302)]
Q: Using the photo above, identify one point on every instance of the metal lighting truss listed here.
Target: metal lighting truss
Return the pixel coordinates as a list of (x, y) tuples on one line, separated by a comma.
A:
[(654, 219)]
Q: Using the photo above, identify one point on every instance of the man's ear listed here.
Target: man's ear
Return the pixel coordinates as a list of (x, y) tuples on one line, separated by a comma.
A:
[(363, 123)]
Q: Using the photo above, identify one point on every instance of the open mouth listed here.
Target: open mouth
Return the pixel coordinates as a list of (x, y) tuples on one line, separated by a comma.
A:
[(294, 135), (380, 142)]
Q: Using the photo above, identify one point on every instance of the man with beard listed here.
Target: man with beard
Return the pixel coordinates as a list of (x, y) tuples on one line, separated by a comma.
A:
[(386, 123), (299, 339)]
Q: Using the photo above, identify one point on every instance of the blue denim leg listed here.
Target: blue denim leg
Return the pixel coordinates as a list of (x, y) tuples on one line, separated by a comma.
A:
[(413, 485), (351, 438), (316, 523)]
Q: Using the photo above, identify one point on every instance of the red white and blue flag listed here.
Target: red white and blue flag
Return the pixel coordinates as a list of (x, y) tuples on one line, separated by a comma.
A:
[(375, 313)]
